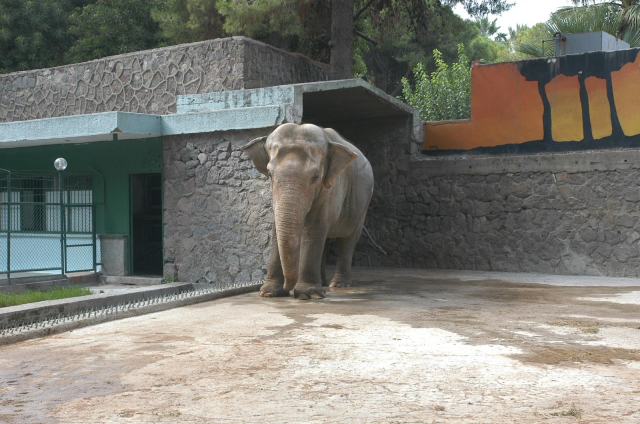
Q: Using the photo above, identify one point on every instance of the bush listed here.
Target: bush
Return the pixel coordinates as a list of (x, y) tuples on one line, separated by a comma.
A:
[(443, 95)]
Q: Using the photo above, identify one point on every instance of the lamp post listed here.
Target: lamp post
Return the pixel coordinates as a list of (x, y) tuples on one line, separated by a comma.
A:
[(61, 164)]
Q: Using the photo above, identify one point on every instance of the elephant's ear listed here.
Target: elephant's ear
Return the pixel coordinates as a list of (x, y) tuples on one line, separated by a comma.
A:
[(339, 157), (258, 154)]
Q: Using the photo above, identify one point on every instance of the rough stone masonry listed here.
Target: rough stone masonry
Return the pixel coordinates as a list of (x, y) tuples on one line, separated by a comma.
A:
[(551, 213), (149, 81), (218, 213)]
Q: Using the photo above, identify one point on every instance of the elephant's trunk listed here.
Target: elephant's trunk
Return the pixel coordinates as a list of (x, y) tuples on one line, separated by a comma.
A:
[(290, 214)]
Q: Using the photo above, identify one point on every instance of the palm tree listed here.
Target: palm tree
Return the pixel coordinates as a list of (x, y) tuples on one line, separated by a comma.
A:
[(487, 28), (619, 18)]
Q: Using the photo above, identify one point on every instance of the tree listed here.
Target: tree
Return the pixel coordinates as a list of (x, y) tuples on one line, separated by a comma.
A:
[(443, 95), (341, 43), (487, 28), (110, 27), (522, 34), (34, 33), (391, 35), (417, 11), (629, 9), (185, 21), (621, 19)]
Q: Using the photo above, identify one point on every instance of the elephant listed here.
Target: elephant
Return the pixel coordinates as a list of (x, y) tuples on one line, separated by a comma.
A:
[(321, 188)]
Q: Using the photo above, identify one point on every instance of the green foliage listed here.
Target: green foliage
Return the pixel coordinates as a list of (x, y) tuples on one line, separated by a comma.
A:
[(34, 33), (397, 34), (610, 17), (405, 32), (186, 21), (255, 18), (110, 27), (479, 8), (443, 95), (168, 279), (485, 49), (407, 37), (621, 19), (522, 38), (302, 26), (30, 296), (487, 28)]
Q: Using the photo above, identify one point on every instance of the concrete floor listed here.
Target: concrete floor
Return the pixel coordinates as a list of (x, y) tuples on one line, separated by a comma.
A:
[(400, 346)]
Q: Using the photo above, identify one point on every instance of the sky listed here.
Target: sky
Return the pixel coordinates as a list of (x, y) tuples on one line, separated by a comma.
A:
[(528, 12)]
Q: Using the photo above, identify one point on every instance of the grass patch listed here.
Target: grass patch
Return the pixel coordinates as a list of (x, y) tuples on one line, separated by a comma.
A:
[(168, 279), (30, 296)]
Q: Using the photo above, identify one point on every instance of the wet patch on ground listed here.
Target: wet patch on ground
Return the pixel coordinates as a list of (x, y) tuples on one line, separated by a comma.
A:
[(555, 355)]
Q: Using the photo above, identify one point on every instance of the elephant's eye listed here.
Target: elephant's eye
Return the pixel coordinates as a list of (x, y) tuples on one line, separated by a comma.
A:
[(315, 178), (269, 174)]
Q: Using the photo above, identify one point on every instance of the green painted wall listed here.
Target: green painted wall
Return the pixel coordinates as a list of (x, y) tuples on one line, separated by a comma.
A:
[(116, 160)]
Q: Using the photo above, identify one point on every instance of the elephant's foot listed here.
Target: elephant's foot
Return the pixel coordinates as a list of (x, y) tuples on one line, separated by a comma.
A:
[(273, 289), (308, 291), (338, 282)]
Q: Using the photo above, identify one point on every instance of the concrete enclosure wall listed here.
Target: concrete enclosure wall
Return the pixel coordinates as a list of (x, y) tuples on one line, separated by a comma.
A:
[(563, 214), (575, 213), (149, 81)]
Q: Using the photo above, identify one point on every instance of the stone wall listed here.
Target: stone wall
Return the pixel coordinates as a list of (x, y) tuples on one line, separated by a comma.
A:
[(149, 81), (575, 213), (217, 208), (560, 223)]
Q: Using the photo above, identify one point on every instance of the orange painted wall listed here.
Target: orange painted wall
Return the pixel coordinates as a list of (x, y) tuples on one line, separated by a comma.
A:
[(626, 92), (508, 109), (502, 103), (599, 108)]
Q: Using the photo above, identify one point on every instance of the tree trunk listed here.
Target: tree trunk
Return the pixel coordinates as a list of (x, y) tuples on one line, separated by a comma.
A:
[(341, 39)]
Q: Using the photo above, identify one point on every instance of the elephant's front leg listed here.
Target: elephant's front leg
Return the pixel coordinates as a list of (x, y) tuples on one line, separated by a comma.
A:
[(274, 284), (309, 284)]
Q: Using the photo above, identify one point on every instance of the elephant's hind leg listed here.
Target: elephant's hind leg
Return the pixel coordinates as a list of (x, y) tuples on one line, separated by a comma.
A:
[(274, 284), (344, 249), (323, 264)]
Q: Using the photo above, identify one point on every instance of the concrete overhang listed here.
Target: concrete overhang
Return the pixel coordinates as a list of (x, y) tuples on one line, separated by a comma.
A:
[(319, 103), (349, 100), (79, 129), (315, 102)]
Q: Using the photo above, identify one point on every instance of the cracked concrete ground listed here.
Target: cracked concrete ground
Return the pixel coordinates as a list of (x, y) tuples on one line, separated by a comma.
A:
[(399, 346)]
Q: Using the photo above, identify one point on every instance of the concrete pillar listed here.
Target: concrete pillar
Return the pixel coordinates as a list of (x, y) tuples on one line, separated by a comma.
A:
[(115, 255)]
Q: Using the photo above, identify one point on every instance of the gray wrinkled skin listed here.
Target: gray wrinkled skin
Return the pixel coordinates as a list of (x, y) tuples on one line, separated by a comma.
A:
[(321, 186)]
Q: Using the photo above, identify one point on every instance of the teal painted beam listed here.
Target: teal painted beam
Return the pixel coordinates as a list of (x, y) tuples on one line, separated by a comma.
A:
[(79, 129), (236, 99), (282, 94), (223, 120)]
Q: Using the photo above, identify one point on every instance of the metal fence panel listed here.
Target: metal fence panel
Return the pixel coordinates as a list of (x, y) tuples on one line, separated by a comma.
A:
[(46, 225)]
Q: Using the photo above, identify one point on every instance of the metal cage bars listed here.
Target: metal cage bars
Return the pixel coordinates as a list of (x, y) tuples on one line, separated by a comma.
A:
[(38, 211)]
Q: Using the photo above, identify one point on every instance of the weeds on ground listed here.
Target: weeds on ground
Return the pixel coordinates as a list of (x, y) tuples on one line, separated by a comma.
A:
[(30, 296), (168, 279), (571, 412)]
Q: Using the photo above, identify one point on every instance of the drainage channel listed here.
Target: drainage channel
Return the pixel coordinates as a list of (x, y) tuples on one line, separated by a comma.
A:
[(32, 321)]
